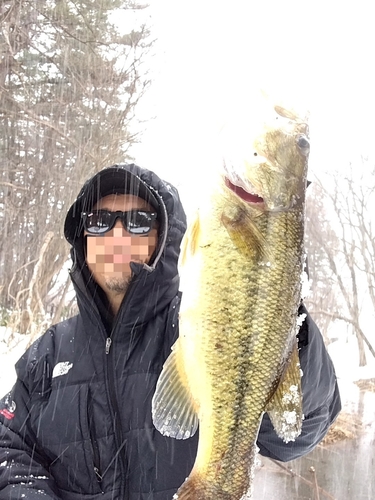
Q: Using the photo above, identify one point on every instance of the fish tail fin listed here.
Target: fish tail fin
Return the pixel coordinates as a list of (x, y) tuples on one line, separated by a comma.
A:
[(198, 487), (189, 490), (193, 489)]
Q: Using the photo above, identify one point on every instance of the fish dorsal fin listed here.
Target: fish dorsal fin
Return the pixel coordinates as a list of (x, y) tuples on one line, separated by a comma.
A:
[(285, 407), (173, 411), (190, 242)]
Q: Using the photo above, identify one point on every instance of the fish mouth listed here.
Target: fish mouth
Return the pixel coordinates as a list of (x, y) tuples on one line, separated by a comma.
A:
[(244, 194)]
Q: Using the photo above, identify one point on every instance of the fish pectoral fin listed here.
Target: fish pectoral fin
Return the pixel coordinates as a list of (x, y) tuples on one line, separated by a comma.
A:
[(285, 406), (246, 235), (190, 242), (173, 411)]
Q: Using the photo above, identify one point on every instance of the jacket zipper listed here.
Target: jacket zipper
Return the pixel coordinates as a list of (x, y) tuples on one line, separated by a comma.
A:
[(113, 406), (109, 373), (94, 443), (108, 341)]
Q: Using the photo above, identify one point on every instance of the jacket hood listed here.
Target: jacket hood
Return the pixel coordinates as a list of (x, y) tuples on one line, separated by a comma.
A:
[(153, 285)]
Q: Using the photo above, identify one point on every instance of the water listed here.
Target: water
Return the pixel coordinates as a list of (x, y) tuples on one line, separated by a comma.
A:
[(344, 470)]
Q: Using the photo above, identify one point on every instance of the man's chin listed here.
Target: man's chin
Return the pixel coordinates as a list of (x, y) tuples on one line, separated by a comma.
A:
[(117, 284)]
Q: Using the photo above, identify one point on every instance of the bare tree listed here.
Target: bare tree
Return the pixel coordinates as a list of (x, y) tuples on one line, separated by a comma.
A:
[(323, 284), (69, 84), (344, 251)]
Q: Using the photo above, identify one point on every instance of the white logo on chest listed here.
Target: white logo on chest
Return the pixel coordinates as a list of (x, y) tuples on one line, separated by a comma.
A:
[(61, 369)]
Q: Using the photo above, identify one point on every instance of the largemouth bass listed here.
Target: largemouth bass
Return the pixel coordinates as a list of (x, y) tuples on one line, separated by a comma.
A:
[(236, 356)]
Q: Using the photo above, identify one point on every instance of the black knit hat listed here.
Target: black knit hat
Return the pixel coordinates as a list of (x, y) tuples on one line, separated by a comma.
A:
[(112, 180)]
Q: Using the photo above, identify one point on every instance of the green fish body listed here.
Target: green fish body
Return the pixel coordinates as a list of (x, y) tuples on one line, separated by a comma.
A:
[(236, 356)]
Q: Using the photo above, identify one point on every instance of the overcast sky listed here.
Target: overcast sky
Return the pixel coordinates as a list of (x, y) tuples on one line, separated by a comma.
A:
[(212, 57)]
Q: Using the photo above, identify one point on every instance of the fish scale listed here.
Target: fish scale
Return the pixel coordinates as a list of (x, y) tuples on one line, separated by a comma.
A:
[(248, 339), (236, 356)]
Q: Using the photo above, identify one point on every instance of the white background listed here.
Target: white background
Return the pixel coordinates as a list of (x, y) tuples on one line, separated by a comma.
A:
[(212, 57)]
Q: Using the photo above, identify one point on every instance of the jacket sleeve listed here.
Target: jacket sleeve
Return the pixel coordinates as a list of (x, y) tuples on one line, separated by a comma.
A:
[(321, 398), (23, 471)]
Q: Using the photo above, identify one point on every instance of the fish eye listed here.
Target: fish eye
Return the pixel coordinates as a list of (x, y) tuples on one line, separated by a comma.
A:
[(303, 144)]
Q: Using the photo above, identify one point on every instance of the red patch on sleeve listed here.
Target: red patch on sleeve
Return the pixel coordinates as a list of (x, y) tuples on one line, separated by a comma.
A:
[(7, 414)]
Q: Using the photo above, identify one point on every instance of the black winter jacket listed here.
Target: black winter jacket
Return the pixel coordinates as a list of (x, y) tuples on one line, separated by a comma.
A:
[(77, 424)]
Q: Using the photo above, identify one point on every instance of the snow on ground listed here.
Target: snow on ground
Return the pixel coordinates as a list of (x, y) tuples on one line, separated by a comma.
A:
[(344, 355), (10, 352), (345, 359)]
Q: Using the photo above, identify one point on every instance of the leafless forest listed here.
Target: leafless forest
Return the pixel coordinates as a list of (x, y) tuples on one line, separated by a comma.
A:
[(70, 81), (341, 249), (69, 86)]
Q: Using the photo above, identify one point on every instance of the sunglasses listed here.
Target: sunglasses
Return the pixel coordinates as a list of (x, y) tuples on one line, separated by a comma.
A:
[(134, 221)]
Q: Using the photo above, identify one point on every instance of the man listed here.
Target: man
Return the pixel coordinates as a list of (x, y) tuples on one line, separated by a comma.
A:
[(78, 423)]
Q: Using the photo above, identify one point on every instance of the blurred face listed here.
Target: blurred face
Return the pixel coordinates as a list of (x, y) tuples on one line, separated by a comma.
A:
[(109, 255)]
